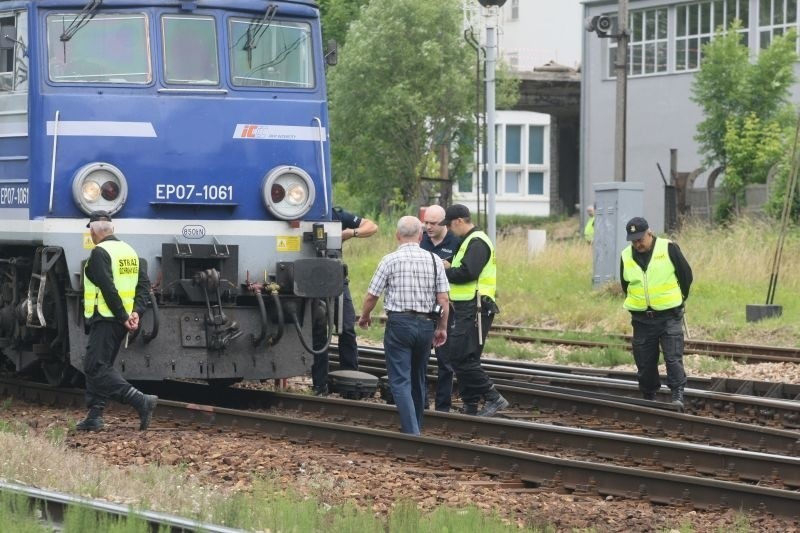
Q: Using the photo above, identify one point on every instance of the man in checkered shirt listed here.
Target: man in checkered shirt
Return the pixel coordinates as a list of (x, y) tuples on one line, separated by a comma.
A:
[(414, 282)]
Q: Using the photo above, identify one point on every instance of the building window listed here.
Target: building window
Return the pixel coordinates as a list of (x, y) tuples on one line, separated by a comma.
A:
[(465, 182), (512, 181), (775, 17), (536, 145), (514, 9), (513, 145), (696, 23), (647, 49), (536, 183)]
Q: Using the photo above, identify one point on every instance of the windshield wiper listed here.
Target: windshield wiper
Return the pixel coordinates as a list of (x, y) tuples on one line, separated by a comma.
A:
[(86, 14), (256, 30)]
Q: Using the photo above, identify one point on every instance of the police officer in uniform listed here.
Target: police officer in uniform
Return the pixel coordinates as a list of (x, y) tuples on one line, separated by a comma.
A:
[(115, 289), (656, 279), (473, 281)]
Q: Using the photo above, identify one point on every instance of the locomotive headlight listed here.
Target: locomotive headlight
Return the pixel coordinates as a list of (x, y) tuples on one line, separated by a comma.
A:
[(99, 186), (288, 192), (90, 191)]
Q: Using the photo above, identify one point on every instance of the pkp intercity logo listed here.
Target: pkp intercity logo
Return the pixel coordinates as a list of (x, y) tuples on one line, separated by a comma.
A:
[(276, 132)]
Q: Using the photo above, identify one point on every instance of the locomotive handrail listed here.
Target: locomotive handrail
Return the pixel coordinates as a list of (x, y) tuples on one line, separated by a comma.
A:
[(152, 334), (53, 164), (322, 158)]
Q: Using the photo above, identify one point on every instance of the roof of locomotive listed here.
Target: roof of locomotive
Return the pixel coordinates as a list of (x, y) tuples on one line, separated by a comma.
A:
[(219, 4)]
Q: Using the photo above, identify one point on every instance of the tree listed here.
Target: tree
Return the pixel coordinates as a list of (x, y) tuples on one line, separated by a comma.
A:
[(403, 88), (337, 15), (748, 116)]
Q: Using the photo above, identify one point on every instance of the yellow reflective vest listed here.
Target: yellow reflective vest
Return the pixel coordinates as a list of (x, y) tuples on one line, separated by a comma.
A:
[(486, 283), (588, 230), (657, 288), (125, 267)]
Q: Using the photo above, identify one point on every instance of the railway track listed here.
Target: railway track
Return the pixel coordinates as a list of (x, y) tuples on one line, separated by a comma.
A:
[(518, 452), (749, 353), (524, 384)]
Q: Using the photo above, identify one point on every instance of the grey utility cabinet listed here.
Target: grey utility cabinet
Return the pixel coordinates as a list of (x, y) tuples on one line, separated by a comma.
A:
[(615, 203)]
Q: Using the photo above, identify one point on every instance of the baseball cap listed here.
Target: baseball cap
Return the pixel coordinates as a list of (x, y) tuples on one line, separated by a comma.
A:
[(636, 228), (453, 212), (98, 215)]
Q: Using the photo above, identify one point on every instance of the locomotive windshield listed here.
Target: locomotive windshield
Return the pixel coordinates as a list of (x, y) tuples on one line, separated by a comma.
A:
[(190, 50), (271, 54), (108, 49)]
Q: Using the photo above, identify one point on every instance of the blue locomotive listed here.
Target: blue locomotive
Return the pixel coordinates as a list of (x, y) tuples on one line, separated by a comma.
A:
[(201, 126)]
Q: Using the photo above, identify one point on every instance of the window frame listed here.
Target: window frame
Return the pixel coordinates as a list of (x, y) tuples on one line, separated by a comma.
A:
[(148, 56), (310, 70), (164, 63)]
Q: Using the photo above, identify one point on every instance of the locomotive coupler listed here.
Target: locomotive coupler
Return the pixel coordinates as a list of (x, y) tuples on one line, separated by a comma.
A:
[(223, 331)]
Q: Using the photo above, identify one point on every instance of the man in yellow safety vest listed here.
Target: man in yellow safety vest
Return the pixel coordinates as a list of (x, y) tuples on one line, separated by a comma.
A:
[(656, 279), (114, 294)]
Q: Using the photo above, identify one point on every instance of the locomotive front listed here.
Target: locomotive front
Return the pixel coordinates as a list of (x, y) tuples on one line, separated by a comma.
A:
[(201, 127)]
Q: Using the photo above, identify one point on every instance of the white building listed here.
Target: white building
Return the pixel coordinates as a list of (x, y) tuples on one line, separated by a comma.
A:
[(531, 140)]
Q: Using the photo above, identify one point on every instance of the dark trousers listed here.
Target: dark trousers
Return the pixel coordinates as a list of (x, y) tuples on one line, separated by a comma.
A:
[(465, 351), (103, 381), (348, 348), (665, 330), (444, 380)]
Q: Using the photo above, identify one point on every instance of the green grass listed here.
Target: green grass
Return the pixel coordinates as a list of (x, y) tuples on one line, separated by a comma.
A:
[(731, 267)]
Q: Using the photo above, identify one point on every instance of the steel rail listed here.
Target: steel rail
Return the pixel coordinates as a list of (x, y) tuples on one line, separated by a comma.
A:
[(55, 505), (536, 469), (766, 389)]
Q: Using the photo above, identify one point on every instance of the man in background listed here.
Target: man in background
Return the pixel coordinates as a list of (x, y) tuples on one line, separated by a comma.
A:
[(439, 240), (588, 230), (353, 227), (656, 279)]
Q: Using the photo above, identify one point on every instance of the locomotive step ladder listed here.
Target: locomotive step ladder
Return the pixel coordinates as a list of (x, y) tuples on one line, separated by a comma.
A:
[(43, 261)]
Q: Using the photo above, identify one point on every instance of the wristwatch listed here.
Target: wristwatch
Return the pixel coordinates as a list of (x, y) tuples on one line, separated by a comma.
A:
[(355, 232)]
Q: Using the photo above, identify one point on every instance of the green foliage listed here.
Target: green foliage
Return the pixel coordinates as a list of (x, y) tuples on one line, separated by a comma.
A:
[(404, 83), (753, 147), (337, 15), (729, 87), (18, 514), (746, 109)]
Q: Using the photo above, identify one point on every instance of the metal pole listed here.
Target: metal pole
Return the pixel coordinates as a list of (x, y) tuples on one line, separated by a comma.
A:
[(621, 71), (491, 59)]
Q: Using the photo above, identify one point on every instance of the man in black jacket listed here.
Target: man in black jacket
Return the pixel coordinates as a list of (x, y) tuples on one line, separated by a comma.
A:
[(656, 279), (115, 291)]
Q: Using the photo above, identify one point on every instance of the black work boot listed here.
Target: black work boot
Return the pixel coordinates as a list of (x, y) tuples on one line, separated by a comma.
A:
[(144, 404), (649, 396), (469, 409), (491, 407), (677, 397), (92, 422)]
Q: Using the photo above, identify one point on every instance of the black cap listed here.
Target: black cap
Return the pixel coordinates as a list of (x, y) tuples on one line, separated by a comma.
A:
[(98, 215), (636, 228), (453, 212)]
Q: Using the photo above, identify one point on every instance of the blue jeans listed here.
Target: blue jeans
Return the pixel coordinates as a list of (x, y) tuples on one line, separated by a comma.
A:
[(665, 330), (407, 342)]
